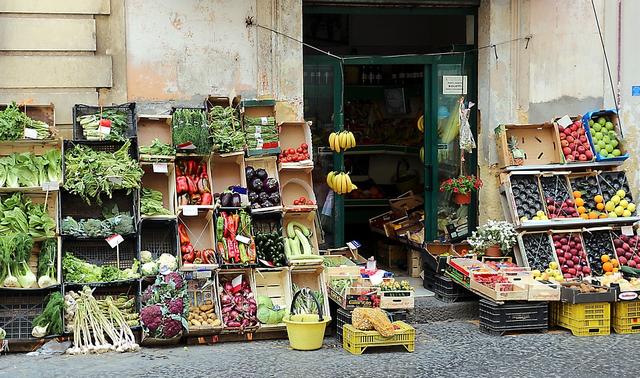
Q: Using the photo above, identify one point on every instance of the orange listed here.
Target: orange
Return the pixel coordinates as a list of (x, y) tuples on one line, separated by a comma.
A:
[(607, 267), (593, 215), (598, 199), (615, 262), (602, 216), (581, 210), (579, 202), (615, 270), (604, 258), (584, 216), (600, 206), (577, 194)]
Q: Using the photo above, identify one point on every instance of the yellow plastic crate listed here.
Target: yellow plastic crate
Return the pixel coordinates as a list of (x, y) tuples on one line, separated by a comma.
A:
[(585, 311), (625, 317), (584, 319), (356, 341)]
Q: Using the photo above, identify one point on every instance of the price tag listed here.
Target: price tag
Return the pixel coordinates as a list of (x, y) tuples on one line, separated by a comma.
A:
[(565, 121), (264, 120), (627, 230), (106, 130), (259, 144), (48, 186), (117, 180), (114, 240), (258, 129), (243, 239), (190, 211), (160, 168), (257, 135), (30, 133), (198, 274)]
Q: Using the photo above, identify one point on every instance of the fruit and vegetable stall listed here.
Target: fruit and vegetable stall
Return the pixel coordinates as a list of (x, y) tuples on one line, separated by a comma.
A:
[(195, 227)]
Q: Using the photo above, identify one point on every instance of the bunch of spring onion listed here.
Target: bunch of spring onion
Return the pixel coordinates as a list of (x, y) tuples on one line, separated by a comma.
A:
[(95, 332)]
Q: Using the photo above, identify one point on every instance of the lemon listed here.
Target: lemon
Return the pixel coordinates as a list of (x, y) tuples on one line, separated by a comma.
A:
[(621, 193), (626, 213), (624, 203), (535, 273), (609, 206), (524, 219), (613, 215), (536, 218), (540, 213), (553, 265), (619, 210), (631, 207), (615, 199)]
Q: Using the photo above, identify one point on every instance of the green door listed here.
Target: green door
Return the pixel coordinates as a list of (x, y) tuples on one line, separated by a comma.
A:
[(324, 95)]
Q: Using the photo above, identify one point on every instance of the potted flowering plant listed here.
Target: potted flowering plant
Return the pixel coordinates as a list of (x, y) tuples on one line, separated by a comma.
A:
[(493, 238), (461, 187)]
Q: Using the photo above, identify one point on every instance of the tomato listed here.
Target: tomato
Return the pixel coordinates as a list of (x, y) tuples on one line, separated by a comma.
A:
[(281, 156), (296, 202), (307, 157), (304, 146), (299, 150), (291, 151)]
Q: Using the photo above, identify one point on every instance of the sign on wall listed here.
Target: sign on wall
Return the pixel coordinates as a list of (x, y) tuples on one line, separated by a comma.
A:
[(455, 84)]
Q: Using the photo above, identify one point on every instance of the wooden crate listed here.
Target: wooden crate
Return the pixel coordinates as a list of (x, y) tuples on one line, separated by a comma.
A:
[(397, 300), (227, 170), (292, 135), (541, 291), (539, 142), (165, 183), (512, 291), (152, 127), (414, 263), (36, 147), (376, 224), (230, 274), (258, 109), (308, 220), (199, 291), (521, 252), (201, 231), (212, 101), (275, 284), (35, 254), (269, 164), (314, 279), (509, 207), (199, 159), (40, 112), (296, 184)]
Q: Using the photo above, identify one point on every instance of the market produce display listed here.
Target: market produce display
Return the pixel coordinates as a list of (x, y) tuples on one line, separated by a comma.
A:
[(552, 273), (28, 170), (226, 133), (270, 248), (239, 307), (558, 198), (90, 173), (234, 238), (151, 203), (95, 331), (15, 125), (298, 244), (393, 286), (189, 254), (604, 137), (616, 193), (78, 271), (228, 199), (261, 132), (598, 244), (538, 249), (268, 313), (47, 258), (295, 155), (627, 251), (203, 316), (340, 182), (190, 131), (114, 222), (589, 191), (157, 148), (574, 142), (108, 124), (341, 141), (192, 183), (18, 213), (527, 198), (264, 191), (571, 255), (165, 307), (164, 263), (49, 322), (15, 250)]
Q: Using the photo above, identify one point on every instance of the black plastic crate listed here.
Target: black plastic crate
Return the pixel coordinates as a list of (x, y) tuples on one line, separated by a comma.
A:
[(429, 280), (343, 317), (98, 252), (82, 110), (105, 146), (18, 308), (496, 319), (448, 291), (159, 236)]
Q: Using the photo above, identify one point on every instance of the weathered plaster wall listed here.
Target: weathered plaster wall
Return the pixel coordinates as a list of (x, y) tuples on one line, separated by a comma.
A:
[(183, 51)]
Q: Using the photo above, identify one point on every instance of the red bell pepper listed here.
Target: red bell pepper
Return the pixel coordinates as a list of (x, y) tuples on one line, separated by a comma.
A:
[(105, 122), (206, 199), (181, 185), (184, 236), (192, 186), (189, 257), (203, 185), (192, 167)]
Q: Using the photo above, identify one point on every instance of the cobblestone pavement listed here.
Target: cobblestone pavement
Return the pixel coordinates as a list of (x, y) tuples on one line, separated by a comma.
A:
[(443, 349)]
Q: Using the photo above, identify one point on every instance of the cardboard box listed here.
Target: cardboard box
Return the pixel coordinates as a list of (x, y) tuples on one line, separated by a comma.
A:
[(540, 144)]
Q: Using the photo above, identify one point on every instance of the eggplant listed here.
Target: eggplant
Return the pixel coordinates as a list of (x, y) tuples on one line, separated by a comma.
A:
[(235, 200), (266, 203), (271, 185), (225, 199), (255, 205), (256, 184), (263, 196), (261, 174), (274, 198), (249, 172), (253, 197)]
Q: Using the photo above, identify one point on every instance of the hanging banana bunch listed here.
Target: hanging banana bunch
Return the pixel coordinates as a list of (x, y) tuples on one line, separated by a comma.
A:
[(421, 123), (341, 141), (340, 182)]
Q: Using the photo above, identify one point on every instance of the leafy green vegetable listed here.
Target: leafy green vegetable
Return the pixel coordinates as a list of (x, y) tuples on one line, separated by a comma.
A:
[(158, 148), (225, 129), (15, 250), (151, 203), (79, 271), (13, 217), (190, 125), (90, 173), (29, 170), (90, 124), (13, 122), (51, 317)]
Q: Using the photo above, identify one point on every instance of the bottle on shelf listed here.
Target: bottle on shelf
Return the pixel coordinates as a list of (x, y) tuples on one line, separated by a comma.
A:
[(372, 76), (379, 75), (363, 74)]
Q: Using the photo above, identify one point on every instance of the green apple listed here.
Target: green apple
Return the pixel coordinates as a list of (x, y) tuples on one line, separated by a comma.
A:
[(604, 152), (609, 126), (597, 126), (602, 121), (616, 152), (598, 135), (614, 142), (591, 122), (601, 144), (609, 148), (606, 139)]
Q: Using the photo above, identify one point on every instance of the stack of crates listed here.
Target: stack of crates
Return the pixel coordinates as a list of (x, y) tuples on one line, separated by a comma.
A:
[(583, 319), (625, 317)]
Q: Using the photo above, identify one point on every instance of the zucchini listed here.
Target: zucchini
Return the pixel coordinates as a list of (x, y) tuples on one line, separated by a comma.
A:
[(294, 243), (287, 248), (306, 246), (293, 225)]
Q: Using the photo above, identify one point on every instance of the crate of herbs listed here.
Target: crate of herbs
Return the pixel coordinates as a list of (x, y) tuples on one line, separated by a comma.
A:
[(261, 130), (110, 123), (23, 122), (225, 130), (190, 131), (154, 138), (267, 231), (616, 194)]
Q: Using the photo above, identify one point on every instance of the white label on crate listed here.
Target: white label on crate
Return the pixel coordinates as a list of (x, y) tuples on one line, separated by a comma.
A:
[(243, 239), (258, 129), (202, 274), (190, 211), (628, 296), (627, 230), (264, 120), (114, 240), (52, 185), (30, 133), (106, 130), (160, 168), (117, 180), (257, 135), (259, 144), (565, 121)]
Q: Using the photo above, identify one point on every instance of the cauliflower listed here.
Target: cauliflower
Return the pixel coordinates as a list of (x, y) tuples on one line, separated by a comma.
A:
[(175, 306), (176, 278), (149, 269), (168, 261), (147, 294), (145, 257), (151, 317), (170, 327)]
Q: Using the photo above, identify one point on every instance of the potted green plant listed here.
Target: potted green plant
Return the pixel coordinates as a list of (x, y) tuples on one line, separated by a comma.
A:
[(461, 187), (493, 238)]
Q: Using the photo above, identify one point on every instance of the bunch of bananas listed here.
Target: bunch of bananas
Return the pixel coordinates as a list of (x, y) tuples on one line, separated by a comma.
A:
[(341, 141), (340, 182), (421, 123)]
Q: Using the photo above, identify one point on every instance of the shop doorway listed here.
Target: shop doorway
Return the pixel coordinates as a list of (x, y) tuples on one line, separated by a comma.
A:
[(380, 98)]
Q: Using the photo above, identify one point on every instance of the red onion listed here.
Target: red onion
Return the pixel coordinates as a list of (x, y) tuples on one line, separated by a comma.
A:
[(228, 286), (226, 299)]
